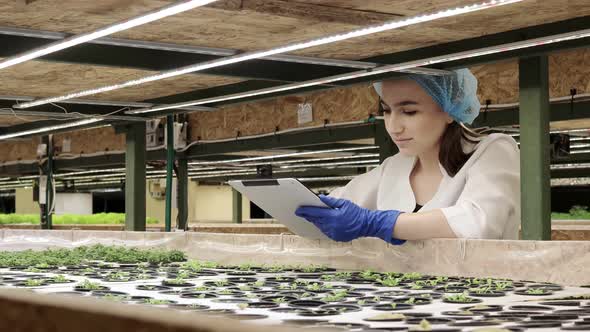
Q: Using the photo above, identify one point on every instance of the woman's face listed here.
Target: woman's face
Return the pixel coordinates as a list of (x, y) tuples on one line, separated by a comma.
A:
[(413, 119)]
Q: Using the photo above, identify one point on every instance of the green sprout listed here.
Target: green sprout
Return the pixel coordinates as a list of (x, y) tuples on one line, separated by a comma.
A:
[(59, 279), (536, 291), (463, 297), (34, 282), (89, 285), (389, 282), (411, 300), (221, 283), (175, 281), (369, 275), (412, 276), (156, 301)]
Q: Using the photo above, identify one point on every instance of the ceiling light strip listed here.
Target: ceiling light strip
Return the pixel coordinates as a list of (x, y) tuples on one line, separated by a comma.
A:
[(50, 128), (283, 49), (380, 70), (154, 15), (282, 155)]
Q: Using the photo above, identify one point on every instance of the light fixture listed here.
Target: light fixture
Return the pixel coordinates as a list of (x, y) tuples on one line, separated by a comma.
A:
[(105, 31), (379, 70), (282, 155), (279, 50), (355, 162), (49, 129)]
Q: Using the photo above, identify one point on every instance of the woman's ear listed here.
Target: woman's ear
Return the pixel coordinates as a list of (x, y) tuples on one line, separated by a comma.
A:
[(449, 119)]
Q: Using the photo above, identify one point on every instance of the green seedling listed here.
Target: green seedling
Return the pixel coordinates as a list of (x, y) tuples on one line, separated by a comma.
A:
[(369, 275), (412, 276), (87, 284), (536, 291), (176, 281), (59, 278), (463, 297), (221, 283), (34, 282), (156, 301), (411, 300), (258, 283), (390, 282)]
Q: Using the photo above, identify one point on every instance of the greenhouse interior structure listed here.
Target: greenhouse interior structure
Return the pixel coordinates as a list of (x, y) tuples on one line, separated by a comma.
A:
[(145, 146)]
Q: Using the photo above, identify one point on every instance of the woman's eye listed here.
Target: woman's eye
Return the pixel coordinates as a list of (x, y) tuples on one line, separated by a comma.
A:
[(385, 108), (409, 112)]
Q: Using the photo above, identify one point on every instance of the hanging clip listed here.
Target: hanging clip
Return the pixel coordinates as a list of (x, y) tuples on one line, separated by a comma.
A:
[(573, 93)]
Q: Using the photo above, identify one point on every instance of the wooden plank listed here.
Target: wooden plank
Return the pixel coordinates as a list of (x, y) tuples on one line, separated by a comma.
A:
[(311, 11)]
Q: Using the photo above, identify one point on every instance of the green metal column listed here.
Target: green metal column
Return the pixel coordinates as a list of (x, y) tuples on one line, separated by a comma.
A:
[(135, 157), (535, 179), (169, 167), (46, 210), (386, 146), (236, 206), (182, 194)]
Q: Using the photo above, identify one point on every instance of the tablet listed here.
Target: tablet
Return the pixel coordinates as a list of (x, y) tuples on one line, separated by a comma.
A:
[(280, 198)]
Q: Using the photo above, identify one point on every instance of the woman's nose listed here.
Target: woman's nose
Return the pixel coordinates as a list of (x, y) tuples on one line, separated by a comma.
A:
[(393, 123)]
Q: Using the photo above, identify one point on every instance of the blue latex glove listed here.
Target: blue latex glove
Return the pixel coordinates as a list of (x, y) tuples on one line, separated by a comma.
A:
[(345, 221)]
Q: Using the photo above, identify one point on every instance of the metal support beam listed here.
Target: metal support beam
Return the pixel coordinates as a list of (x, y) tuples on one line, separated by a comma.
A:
[(534, 155), (182, 194), (288, 140), (169, 168), (382, 139), (46, 209), (135, 158), (236, 206)]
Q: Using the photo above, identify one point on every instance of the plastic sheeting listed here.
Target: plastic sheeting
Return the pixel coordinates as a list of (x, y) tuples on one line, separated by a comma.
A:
[(563, 262)]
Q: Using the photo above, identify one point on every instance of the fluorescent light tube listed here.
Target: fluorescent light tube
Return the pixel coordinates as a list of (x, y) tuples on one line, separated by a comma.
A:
[(50, 128), (283, 49), (105, 31), (380, 70)]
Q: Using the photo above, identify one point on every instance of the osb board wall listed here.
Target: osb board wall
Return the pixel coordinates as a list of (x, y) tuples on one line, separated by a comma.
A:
[(337, 105), (499, 81), (25, 149), (92, 140)]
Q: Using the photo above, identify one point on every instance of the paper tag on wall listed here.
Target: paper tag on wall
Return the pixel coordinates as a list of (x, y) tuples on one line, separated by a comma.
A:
[(304, 113)]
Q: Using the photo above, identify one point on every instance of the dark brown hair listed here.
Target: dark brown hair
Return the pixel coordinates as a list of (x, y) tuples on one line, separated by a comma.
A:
[(451, 154)]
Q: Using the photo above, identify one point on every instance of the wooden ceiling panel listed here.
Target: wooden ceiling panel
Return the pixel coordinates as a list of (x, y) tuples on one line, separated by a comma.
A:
[(43, 79), (261, 24), (476, 24), (11, 120), (397, 7)]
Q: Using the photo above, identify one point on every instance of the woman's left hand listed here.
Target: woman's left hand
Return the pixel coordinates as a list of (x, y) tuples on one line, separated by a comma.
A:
[(345, 221)]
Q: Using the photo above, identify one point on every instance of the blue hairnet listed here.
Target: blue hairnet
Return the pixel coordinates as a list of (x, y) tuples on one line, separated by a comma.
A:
[(455, 93)]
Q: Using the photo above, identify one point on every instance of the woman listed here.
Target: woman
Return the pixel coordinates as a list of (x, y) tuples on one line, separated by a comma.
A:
[(445, 182)]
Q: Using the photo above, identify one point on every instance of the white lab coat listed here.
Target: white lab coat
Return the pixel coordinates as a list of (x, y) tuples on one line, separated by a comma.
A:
[(481, 201)]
